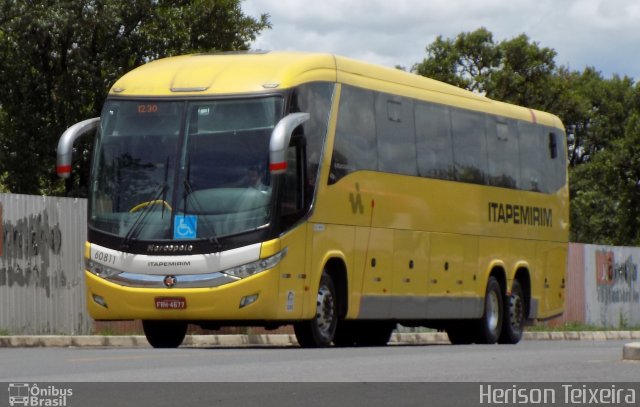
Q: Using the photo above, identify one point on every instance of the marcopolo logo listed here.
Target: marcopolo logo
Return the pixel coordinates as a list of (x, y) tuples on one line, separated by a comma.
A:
[(24, 394)]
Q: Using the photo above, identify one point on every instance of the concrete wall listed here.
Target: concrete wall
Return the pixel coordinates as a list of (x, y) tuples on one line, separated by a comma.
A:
[(42, 285), (41, 256), (611, 286), (602, 286)]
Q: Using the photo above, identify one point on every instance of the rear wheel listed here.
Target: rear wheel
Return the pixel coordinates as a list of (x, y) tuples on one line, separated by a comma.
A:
[(165, 334), (319, 331), (514, 316), (490, 325)]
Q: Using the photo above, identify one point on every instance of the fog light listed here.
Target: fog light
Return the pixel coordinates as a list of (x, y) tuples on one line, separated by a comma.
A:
[(248, 300), (99, 300)]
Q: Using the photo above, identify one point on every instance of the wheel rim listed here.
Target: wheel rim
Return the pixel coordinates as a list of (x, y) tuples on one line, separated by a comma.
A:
[(493, 311), (325, 313), (516, 312)]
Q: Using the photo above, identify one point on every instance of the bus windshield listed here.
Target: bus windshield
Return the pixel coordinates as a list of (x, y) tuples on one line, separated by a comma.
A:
[(183, 169)]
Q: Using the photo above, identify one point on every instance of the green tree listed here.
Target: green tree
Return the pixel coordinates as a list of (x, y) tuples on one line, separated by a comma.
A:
[(466, 61), (524, 74), (516, 71), (60, 57)]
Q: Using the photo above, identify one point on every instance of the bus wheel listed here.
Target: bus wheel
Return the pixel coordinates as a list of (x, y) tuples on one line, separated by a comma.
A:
[(490, 325), (319, 331), (514, 316), (165, 334)]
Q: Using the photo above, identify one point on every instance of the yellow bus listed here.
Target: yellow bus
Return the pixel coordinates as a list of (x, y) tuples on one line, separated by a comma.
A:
[(271, 189)]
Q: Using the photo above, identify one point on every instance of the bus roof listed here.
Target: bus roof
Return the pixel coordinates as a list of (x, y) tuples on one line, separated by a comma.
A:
[(263, 72)]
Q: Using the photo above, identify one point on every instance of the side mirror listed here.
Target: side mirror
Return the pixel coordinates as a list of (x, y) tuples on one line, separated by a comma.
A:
[(65, 144), (280, 138)]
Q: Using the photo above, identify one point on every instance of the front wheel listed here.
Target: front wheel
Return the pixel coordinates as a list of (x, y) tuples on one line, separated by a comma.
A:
[(514, 316), (490, 325), (165, 334), (319, 331)]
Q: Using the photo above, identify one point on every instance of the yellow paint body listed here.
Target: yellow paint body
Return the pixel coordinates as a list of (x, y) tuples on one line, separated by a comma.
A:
[(429, 238)]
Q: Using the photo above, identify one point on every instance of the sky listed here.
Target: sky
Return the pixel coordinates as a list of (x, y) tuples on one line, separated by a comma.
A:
[(604, 34)]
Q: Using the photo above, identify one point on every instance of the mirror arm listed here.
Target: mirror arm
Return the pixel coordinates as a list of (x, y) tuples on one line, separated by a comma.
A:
[(65, 144), (280, 138)]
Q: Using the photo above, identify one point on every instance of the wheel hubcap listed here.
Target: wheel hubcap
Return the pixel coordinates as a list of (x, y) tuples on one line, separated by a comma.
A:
[(493, 311), (325, 311), (516, 312)]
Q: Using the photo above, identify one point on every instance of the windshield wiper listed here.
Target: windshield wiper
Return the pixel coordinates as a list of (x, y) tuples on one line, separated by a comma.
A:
[(188, 190), (144, 211)]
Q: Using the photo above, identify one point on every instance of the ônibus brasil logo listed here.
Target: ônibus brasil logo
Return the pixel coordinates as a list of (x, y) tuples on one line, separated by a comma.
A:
[(25, 394)]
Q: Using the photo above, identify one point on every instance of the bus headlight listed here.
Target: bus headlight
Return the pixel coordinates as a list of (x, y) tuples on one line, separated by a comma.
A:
[(250, 269), (100, 270)]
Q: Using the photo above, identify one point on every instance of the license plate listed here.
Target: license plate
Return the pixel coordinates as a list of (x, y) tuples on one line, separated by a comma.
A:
[(170, 303)]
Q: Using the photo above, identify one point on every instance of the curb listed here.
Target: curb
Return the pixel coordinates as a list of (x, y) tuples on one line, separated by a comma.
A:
[(284, 340), (631, 351)]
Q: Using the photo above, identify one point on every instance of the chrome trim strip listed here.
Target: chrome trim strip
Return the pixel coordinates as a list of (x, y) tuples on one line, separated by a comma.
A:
[(181, 281), (176, 265), (193, 89)]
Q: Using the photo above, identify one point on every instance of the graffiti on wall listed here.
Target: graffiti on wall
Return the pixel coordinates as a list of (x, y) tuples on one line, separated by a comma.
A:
[(615, 281), (27, 246)]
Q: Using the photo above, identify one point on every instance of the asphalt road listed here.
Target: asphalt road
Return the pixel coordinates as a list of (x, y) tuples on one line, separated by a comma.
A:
[(335, 376)]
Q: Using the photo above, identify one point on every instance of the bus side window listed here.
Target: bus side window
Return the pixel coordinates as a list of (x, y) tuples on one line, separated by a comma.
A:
[(395, 135), (502, 150), (534, 158), (433, 141), (355, 146), (469, 146)]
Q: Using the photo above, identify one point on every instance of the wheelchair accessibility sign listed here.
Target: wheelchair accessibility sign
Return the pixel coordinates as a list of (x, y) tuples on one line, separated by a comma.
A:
[(185, 227)]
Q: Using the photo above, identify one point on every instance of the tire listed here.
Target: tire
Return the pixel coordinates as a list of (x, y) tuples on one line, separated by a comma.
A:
[(165, 334), (490, 325), (320, 331), (514, 316)]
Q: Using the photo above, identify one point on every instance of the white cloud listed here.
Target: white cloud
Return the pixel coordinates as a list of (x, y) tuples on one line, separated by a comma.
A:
[(600, 33)]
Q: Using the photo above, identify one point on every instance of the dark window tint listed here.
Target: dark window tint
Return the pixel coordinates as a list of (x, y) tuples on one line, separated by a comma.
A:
[(557, 165), (392, 134), (315, 99), (433, 141), (396, 140), (502, 146), (355, 143), (534, 154), (469, 146)]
